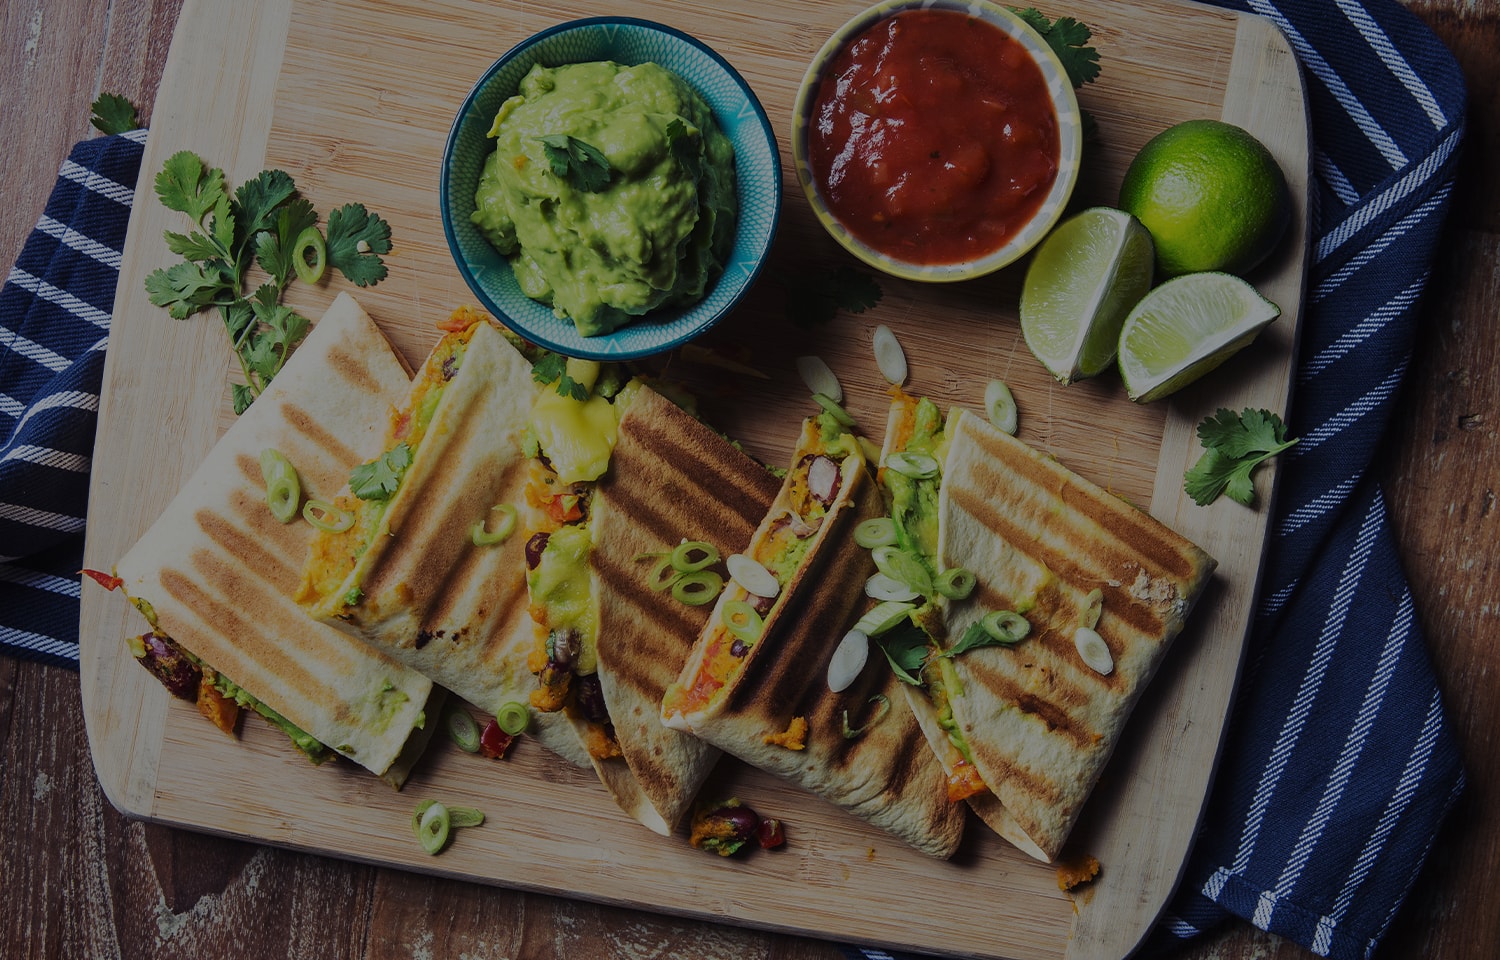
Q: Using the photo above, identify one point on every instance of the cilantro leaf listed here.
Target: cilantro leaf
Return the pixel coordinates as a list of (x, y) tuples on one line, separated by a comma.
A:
[(906, 648), (260, 198), (1069, 39), (553, 368), (844, 288), (185, 185), (1233, 446), (275, 248), (114, 114), (378, 479), (974, 638), (356, 238), (580, 163), (186, 287), (242, 397)]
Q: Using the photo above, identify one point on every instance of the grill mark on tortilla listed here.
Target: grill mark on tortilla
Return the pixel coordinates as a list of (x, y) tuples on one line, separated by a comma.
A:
[(1139, 533), (353, 368), (304, 423), (281, 568), (225, 599)]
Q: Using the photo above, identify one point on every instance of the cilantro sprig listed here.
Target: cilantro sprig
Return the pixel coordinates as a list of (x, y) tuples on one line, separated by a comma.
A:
[(379, 478), (818, 298), (114, 114), (1234, 444), (578, 162), (1069, 39), (262, 223), (552, 368)]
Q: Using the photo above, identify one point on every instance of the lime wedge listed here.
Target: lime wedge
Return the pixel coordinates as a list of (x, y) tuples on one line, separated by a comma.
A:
[(1082, 281), (1187, 327)]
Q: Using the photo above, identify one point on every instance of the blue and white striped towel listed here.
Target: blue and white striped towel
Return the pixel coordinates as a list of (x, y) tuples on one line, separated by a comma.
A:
[(1339, 767)]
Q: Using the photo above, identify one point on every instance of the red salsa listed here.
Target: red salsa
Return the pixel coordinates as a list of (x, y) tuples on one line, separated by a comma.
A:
[(933, 137)]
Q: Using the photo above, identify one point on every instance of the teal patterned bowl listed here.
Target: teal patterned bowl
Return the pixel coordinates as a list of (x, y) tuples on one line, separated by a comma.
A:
[(628, 41)]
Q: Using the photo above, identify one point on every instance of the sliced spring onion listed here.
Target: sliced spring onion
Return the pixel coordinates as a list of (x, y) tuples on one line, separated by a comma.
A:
[(1094, 651), (283, 489), (513, 718), (882, 707), (900, 565), (1006, 626), (462, 729), (875, 532), (663, 574), (883, 616), (750, 574), (464, 817), (834, 410), (889, 356), (882, 587), (955, 583), (1093, 606), (742, 620), (848, 660), (1000, 404), (483, 536), (819, 378), (697, 587), (432, 827), (918, 466), (326, 516), (309, 255), (690, 556)]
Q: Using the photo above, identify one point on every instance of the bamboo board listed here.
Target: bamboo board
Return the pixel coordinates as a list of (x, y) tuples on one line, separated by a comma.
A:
[(354, 100)]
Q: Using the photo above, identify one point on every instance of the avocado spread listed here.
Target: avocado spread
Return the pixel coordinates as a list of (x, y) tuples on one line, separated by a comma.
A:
[(603, 243)]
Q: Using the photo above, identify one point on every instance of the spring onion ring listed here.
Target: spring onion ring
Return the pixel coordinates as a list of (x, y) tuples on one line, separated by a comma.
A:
[(1006, 626), (309, 241), (883, 616), (835, 411), (697, 587), (462, 729), (326, 516), (482, 536), (1000, 404), (663, 574), (283, 489), (432, 826), (918, 466), (900, 565), (690, 556), (955, 583), (741, 620), (464, 817), (875, 532), (882, 707), (1093, 606), (513, 718)]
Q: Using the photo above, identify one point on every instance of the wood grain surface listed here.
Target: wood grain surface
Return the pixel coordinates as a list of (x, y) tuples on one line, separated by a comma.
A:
[(79, 880)]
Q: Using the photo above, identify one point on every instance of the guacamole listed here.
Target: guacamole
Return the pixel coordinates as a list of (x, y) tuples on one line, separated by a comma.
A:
[(604, 247)]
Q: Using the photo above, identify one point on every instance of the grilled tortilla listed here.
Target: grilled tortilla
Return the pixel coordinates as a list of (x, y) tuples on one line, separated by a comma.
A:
[(762, 693), (1031, 725), (671, 478), (408, 577), (217, 572)]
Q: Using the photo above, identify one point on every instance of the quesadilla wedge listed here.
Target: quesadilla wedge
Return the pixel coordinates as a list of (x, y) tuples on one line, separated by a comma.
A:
[(756, 684), (425, 569), (1076, 597), (216, 573)]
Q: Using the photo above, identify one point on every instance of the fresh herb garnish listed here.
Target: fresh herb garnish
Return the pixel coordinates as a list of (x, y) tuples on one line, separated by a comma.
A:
[(378, 479), (553, 368), (906, 648), (684, 147), (263, 222), (1234, 445), (114, 114), (1069, 40), (823, 295), (580, 163)]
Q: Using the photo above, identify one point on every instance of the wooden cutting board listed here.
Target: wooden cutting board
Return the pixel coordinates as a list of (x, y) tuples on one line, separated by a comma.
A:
[(354, 100)]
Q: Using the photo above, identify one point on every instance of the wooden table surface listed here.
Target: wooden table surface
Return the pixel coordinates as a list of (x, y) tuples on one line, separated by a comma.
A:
[(78, 880)]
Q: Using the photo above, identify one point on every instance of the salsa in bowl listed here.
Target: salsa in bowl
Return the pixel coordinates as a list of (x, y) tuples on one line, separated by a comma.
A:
[(937, 140)]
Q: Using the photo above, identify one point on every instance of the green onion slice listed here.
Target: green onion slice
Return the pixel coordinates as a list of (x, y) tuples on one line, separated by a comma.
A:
[(742, 620), (882, 707), (663, 574), (283, 489), (835, 411), (901, 565), (883, 616), (482, 536), (432, 826), (875, 532), (1093, 606), (464, 817), (697, 587), (1006, 626), (309, 255), (462, 729), (956, 583), (690, 556), (918, 466), (513, 718), (1001, 406), (326, 516)]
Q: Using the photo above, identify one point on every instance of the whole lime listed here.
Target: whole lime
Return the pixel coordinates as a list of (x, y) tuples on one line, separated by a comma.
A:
[(1212, 196)]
